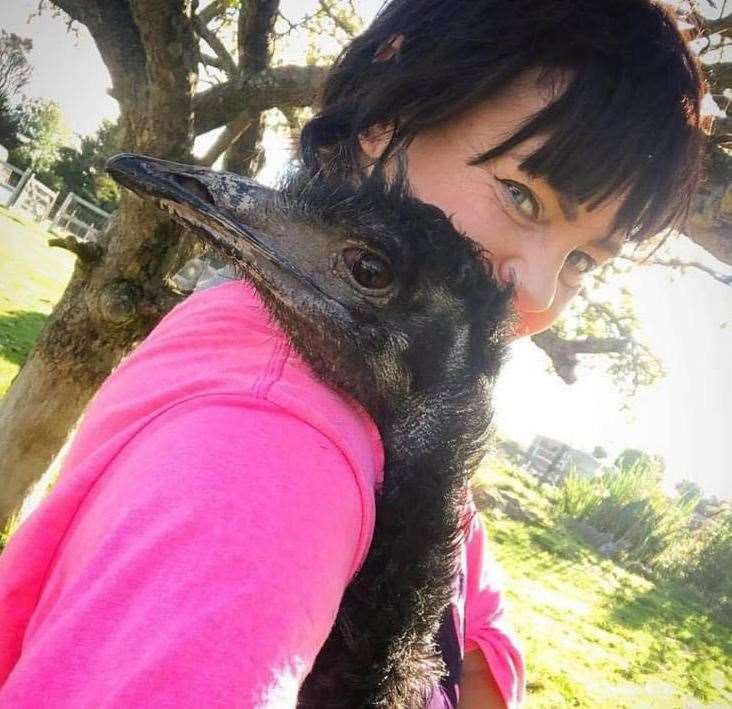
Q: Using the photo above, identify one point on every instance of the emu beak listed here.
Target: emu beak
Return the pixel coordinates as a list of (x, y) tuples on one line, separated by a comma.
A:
[(211, 203), (215, 205)]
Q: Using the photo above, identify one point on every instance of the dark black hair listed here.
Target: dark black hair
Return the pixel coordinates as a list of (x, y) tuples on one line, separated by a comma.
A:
[(628, 121)]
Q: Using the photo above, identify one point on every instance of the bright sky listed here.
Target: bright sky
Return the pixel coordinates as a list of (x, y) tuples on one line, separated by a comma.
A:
[(688, 322)]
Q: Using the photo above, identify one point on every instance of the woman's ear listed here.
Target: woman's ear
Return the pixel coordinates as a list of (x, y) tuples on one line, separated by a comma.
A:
[(374, 140), (389, 49)]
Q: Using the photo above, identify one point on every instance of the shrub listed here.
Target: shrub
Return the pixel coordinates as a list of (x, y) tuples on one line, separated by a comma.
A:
[(703, 559), (579, 496), (627, 504)]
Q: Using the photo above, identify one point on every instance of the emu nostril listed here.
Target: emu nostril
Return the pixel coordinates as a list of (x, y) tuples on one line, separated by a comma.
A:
[(190, 184)]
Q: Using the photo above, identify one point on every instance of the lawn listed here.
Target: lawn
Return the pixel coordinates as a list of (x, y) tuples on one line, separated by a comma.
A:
[(595, 635), (33, 276)]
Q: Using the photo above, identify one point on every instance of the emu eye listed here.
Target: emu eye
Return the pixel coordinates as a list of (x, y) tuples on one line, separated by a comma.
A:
[(368, 269)]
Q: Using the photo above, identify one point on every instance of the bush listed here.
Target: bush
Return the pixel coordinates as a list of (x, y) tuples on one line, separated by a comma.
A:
[(579, 496), (703, 560), (627, 504), (651, 529)]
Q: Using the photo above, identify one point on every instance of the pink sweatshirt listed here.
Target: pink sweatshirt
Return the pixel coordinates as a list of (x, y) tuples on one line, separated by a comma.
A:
[(214, 505)]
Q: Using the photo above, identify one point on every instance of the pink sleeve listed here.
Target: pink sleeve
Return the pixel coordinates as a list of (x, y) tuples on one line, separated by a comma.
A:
[(486, 627), (207, 567)]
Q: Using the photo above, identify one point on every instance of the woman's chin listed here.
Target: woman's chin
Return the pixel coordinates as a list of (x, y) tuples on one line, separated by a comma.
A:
[(531, 323)]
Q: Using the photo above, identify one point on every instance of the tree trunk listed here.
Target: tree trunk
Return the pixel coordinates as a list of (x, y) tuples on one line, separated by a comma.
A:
[(254, 40), (710, 219), (246, 154), (115, 297), (73, 355)]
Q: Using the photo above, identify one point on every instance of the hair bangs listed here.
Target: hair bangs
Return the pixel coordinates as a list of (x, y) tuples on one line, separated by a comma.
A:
[(605, 139)]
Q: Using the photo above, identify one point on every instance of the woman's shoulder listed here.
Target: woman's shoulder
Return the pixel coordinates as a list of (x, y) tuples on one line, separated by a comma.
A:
[(228, 327), (223, 341)]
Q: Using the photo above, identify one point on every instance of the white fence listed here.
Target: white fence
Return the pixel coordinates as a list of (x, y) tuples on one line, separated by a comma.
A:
[(10, 179), (35, 199), (79, 217), (21, 191), (551, 460)]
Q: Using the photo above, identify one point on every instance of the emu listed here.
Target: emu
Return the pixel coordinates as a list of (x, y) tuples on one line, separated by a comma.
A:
[(388, 303)]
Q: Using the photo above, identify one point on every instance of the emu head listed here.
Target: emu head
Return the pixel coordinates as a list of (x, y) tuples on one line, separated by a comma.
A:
[(375, 289)]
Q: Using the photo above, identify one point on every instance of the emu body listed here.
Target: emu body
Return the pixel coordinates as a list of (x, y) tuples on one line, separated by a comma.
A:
[(390, 304)]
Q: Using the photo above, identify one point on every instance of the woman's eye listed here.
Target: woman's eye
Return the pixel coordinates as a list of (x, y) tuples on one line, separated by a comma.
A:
[(522, 197), (581, 262)]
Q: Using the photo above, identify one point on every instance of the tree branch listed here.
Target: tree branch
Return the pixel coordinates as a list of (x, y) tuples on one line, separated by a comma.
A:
[(631, 363), (722, 126), (714, 237), (720, 75), (171, 63), (245, 154), (725, 279), (227, 63), (15, 71), (255, 32), (563, 353), (232, 131), (717, 44), (86, 251), (211, 11), (292, 26), (327, 10), (210, 60), (289, 85), (721, 24), (160, 303), (709, 222), (624, 330), (710, 218)]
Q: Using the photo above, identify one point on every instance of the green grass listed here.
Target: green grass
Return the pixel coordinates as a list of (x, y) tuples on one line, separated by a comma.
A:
[(594, 634), (33, 276)]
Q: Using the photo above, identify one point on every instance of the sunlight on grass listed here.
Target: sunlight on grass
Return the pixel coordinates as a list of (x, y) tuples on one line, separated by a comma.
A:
[(595, 635), (33, 276)]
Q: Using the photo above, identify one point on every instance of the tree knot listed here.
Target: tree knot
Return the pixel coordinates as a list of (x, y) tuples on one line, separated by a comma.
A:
[(118, 302)]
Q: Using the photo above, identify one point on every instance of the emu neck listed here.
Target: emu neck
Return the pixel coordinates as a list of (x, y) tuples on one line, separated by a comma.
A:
[(381, 651)]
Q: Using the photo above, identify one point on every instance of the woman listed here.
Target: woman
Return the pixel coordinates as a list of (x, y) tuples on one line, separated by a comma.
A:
[(157, 573)]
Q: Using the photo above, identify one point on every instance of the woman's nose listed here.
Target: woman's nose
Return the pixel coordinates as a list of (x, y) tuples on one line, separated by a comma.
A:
[(535, 284)]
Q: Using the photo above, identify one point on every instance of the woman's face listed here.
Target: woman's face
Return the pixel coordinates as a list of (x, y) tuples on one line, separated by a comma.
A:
[(533, 236)]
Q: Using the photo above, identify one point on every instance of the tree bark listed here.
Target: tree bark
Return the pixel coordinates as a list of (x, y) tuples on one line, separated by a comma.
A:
[(710, 219), (246, 154), (255, 44), (283, 85), (113, 302), (255, 33)]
